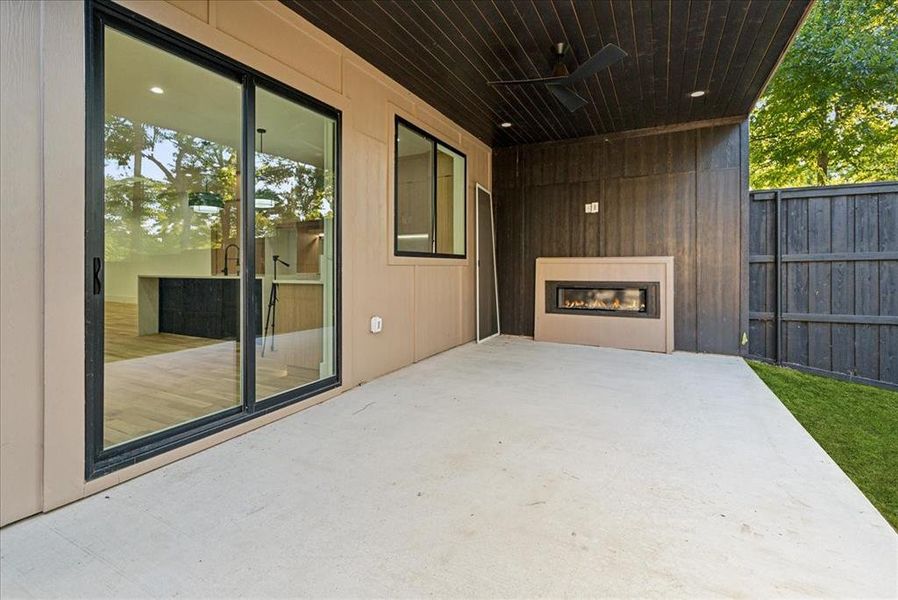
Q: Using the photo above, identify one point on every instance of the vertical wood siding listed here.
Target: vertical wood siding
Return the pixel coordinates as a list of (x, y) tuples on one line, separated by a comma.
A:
[(839, 279), (676, 194)]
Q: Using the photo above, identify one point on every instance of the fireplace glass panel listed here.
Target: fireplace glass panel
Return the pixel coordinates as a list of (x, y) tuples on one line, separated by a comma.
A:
[(602, 299)]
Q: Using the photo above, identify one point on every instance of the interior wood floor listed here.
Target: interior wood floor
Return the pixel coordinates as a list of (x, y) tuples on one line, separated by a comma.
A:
[(122, 341), (153, 382)]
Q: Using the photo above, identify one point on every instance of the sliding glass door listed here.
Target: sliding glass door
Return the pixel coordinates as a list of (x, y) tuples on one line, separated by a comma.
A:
[(211, 220), (295, 178), (172, 221)]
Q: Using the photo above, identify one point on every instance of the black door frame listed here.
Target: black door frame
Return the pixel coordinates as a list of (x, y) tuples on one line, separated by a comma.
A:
[(100, 14)]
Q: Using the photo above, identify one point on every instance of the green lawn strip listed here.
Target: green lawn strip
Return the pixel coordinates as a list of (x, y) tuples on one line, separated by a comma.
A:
[(856, 424)]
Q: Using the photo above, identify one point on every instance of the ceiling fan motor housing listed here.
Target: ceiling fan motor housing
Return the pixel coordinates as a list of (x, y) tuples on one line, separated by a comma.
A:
[(560, 69), (561, 82)]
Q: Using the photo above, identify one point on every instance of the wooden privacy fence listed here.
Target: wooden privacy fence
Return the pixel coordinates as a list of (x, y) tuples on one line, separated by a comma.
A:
[(823, 279)]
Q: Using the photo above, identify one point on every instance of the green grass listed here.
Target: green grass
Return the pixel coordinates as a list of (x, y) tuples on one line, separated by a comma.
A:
[(856, 424)]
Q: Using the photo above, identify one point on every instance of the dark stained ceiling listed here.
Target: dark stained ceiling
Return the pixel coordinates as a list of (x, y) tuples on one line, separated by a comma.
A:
[(446, 50)]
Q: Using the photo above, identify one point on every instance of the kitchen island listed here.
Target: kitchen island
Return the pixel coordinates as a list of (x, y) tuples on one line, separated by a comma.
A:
[(208, 305)]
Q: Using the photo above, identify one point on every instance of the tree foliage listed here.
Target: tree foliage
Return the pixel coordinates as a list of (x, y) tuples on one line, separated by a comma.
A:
[(830, 113), (151, 172), (303, 192)]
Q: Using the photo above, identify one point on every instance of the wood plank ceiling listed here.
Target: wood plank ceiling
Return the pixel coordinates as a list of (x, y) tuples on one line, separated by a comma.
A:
[(446, 50)]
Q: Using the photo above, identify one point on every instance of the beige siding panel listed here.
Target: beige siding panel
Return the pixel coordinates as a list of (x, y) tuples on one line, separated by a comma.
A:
[(282, 40), (21, 376), (467, 289), (468, 299), (437, 314), (379, 289), (63, 253), (369, 102), (196, 8)]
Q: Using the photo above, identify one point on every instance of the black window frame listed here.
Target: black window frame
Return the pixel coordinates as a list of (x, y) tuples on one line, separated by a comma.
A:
[(100, 461), (434, 142)]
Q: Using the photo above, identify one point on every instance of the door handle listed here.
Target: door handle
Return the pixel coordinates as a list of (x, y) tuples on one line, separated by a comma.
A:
[(98, 282)]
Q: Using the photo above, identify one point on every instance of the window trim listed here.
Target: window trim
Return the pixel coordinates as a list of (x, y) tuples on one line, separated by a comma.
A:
[(435, 142), (100, 461)]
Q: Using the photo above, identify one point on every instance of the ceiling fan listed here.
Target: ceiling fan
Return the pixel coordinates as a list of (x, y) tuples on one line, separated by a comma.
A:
[(560, 82)]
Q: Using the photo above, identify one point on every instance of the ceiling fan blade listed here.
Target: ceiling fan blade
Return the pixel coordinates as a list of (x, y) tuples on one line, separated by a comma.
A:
[(569, 98), (525, 81), (602, 59)]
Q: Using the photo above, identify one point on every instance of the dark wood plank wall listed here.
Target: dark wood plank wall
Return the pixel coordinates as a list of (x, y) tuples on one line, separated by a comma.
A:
[(839, 279), (677, 194)]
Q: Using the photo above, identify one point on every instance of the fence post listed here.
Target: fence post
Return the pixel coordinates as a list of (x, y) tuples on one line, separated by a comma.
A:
[(779, 279)]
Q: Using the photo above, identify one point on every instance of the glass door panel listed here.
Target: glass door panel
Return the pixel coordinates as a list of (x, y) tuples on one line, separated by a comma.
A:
[(172, 291), (295, 241)]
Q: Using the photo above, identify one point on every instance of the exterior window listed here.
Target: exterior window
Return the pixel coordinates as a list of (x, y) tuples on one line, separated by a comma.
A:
[(212, 269), (430, 195)]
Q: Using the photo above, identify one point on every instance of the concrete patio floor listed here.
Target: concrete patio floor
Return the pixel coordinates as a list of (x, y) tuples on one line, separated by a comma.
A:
[(511, 469)]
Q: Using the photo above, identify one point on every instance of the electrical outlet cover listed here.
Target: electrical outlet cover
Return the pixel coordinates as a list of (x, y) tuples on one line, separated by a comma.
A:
[(377, 324)]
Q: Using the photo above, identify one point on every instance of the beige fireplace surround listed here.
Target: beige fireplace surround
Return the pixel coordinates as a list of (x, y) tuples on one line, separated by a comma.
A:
[(591, 329)]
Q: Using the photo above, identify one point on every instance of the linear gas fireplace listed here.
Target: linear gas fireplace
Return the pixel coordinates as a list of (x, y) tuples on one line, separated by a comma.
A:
[(571, 291), (603, 298)]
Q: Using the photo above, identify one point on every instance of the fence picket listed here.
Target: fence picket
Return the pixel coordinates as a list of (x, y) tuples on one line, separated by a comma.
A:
[(823, 279)]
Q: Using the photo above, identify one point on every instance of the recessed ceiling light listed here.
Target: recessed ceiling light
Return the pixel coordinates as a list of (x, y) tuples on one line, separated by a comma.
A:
[(697, 94), (506, 124), (157, 90)]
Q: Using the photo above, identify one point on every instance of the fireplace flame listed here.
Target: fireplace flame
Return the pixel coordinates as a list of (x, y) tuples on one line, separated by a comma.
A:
[(600, 304), (628, 300), (601, 298)]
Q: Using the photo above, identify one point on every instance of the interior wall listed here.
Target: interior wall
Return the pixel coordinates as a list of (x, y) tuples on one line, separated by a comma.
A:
[(427, 305), (415, 181), (121, 275), (682, 194)]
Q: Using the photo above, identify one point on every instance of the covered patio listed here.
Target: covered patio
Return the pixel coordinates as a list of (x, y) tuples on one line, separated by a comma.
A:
[(508, 468)]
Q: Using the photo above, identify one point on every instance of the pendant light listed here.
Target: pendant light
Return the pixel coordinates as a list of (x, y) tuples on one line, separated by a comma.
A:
[(205, 203), (265, 198)]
